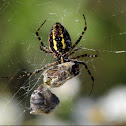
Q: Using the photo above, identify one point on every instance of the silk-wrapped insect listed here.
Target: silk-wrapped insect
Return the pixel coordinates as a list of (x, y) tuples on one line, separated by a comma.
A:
[(43, 100)]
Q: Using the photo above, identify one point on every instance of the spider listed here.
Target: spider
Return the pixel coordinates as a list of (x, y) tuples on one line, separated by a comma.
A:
[(61, 48), (64, 68)]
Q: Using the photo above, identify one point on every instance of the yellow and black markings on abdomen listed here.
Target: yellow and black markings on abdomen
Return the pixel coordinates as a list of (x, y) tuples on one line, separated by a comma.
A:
[(59, 39)]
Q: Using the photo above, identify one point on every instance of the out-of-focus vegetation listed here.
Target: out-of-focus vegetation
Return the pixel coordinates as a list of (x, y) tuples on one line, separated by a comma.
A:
[(20, 53)]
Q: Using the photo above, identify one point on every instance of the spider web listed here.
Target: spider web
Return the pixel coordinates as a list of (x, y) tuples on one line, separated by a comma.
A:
[(20, 54)]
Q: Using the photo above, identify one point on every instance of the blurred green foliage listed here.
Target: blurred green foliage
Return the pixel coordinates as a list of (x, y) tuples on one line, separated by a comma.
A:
[(106, 32)]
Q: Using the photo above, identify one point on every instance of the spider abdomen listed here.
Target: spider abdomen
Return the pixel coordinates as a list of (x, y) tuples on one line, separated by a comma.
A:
[(59, 39)]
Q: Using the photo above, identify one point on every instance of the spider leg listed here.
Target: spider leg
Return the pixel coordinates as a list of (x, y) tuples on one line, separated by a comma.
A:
[(35, 72), (53, 54), (42, 46), (85, 28), (92, 78), (46, 51), (85, 55), (75, 50)]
